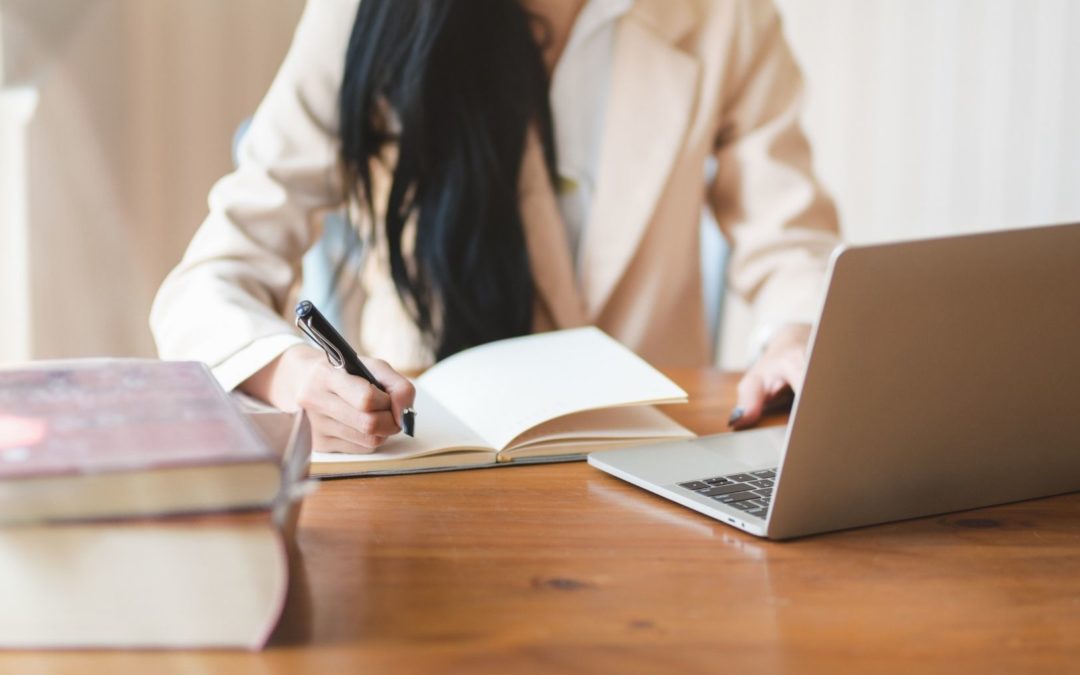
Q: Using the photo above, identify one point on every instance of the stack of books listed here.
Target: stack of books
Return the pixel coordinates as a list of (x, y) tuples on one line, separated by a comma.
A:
[(140, 508)]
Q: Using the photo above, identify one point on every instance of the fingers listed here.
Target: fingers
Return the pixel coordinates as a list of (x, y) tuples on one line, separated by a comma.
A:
[(335, 422), (790, 370), (760, 394), (750, 400), (357, 392), (401, 391), (781, 366), (334, 436), (348, 413), (366, 422)]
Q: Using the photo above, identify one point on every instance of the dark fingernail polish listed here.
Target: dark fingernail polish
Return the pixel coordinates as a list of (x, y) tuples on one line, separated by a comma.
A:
[(736, 415)]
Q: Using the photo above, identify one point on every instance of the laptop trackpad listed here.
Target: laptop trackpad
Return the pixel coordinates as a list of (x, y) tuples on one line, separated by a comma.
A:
[(700, 458)]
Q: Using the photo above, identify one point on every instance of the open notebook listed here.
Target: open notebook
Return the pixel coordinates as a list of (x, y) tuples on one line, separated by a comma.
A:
[(539, 398)]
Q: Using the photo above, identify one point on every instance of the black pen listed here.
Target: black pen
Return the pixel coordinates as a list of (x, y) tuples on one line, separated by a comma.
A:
[(310, 320)]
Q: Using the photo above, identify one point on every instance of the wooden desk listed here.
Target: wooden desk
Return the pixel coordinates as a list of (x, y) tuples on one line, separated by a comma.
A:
[(563, 569)]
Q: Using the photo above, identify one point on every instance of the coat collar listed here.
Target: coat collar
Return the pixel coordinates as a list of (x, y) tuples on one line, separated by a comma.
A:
[(670, 20), (546, 240), (653, 87)]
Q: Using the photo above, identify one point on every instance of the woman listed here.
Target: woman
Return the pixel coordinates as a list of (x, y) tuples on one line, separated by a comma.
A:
[(514, 167)]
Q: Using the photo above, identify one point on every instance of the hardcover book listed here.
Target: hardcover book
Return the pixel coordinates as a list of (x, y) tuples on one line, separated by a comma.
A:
[(100, 438)]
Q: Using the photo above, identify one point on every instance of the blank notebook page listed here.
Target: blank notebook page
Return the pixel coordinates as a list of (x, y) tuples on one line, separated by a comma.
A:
[(504, 389)]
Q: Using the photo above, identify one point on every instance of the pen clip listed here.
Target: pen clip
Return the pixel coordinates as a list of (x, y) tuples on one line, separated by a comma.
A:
[(333, 355)]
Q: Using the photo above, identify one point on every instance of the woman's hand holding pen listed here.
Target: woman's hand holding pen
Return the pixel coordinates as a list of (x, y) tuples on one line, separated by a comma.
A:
[(347, 413)]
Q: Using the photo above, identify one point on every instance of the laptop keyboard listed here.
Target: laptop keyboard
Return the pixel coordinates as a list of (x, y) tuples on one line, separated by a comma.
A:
[(750, 492)]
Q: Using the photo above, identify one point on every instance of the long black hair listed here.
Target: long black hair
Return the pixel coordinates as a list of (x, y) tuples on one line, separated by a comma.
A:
[(465, 80)]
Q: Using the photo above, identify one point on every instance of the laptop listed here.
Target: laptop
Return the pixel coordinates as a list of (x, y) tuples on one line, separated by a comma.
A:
[(943, 375)]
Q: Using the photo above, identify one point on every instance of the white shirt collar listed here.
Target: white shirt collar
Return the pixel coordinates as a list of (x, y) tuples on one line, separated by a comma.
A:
[(595, 15), (580, 86)]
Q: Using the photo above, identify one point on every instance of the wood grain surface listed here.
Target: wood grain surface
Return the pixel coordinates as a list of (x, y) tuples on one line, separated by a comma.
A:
[(563, 569)]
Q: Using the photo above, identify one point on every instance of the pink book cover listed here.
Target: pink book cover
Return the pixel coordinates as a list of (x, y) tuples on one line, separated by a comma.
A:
[(114, 415)]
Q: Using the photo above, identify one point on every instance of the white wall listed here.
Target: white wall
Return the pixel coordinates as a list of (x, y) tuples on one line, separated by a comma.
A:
[(935, 116), (136, 103), (16, 110)]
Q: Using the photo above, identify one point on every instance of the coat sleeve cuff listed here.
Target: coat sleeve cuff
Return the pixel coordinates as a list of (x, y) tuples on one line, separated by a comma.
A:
[(252, 358)]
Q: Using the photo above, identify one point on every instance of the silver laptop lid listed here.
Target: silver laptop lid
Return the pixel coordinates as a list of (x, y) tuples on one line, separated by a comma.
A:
[(944, 375)]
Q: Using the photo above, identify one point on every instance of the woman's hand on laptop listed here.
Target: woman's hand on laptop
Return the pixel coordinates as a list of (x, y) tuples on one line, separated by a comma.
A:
[(776, 373)]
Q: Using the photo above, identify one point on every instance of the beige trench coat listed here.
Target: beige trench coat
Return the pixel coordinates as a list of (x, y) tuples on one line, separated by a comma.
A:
[(690, 79)]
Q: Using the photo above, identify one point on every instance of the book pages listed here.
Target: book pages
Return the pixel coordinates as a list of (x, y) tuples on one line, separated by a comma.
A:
[(505, 388), (631, 423)]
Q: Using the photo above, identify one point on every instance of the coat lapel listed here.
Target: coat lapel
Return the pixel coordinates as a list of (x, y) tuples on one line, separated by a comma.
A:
[(545, 234), (653, 88)]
